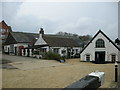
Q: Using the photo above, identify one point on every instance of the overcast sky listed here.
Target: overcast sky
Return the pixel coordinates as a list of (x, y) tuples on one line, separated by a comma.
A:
[(74, 17)]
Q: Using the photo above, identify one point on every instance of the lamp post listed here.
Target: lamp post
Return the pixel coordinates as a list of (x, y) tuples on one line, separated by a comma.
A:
[(116, 72)]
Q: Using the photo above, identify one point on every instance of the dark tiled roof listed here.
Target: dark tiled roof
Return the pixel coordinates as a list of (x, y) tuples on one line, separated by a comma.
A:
[(24, 37), (60, 41), (52, 40)]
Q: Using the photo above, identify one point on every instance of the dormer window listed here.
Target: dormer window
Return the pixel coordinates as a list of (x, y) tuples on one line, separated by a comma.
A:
[(100, 43)]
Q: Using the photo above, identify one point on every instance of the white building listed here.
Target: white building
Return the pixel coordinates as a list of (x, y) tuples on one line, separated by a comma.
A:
[(100, 49), (18, 40), (25, 44), (59, 44)]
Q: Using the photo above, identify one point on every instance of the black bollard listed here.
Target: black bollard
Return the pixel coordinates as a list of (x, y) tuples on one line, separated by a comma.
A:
[(116, 72)]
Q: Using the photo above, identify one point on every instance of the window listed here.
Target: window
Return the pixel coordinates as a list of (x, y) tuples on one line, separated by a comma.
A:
[(56, 50), (63, 51), (3, 30), (87, 57), (5, 48), (113, 58), (43, 50), (3, 36), (100, 43)]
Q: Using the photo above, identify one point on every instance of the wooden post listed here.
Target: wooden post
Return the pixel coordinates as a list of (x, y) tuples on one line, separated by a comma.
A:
[(116, 72)]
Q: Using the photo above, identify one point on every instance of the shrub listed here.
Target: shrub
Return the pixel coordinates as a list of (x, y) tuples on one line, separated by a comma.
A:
[(52, 56)]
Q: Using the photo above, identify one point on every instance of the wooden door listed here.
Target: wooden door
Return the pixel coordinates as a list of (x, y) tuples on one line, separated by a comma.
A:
[(100, 57)]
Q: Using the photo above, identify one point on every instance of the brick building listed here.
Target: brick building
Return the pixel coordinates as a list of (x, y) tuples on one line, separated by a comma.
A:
[(4, 30)]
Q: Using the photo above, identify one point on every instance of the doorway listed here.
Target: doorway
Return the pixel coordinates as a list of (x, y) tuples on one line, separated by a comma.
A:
[(100, 57), (20, 50)]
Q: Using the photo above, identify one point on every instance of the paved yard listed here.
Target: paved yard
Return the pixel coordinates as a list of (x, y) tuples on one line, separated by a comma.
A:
[(35, 73)]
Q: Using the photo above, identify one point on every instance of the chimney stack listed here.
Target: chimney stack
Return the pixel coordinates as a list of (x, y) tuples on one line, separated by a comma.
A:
[(41, 32)]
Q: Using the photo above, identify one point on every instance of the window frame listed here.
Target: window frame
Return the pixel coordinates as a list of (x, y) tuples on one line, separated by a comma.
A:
[(3, 30), (56, 50), (100, 43), (87, 57), (113, 60), (43, 50)]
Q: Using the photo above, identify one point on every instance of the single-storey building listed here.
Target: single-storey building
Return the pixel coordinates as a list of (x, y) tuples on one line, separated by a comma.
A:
[(18, 40), (25, 44), (65, 46), (100, 49)]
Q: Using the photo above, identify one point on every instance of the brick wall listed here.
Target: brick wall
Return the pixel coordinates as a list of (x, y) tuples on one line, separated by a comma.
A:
[(3, 33)]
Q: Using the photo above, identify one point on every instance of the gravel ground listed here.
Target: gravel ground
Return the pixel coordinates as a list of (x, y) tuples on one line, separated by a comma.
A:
[(52, 74)]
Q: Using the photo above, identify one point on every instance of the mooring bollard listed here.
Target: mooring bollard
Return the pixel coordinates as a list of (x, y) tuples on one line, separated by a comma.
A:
[(93, 80), (116, 72)]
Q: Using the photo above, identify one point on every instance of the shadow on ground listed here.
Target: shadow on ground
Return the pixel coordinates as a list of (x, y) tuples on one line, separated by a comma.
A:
[(4, 64)]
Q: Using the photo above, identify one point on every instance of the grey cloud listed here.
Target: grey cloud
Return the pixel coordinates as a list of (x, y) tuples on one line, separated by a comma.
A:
[(33, 24), (0, 11), (80, 18), (9, 10), (86, 25)]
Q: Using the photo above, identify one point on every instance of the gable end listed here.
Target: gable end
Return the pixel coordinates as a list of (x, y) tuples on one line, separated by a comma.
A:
[(10, 40), (95, 37)]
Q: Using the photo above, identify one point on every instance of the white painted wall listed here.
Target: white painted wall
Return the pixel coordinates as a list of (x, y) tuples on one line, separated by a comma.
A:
[(109, 49), (26, 53), (21, 44), (65, 48), (14, 45), (40, 41), (6, 48), (60, 49)]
